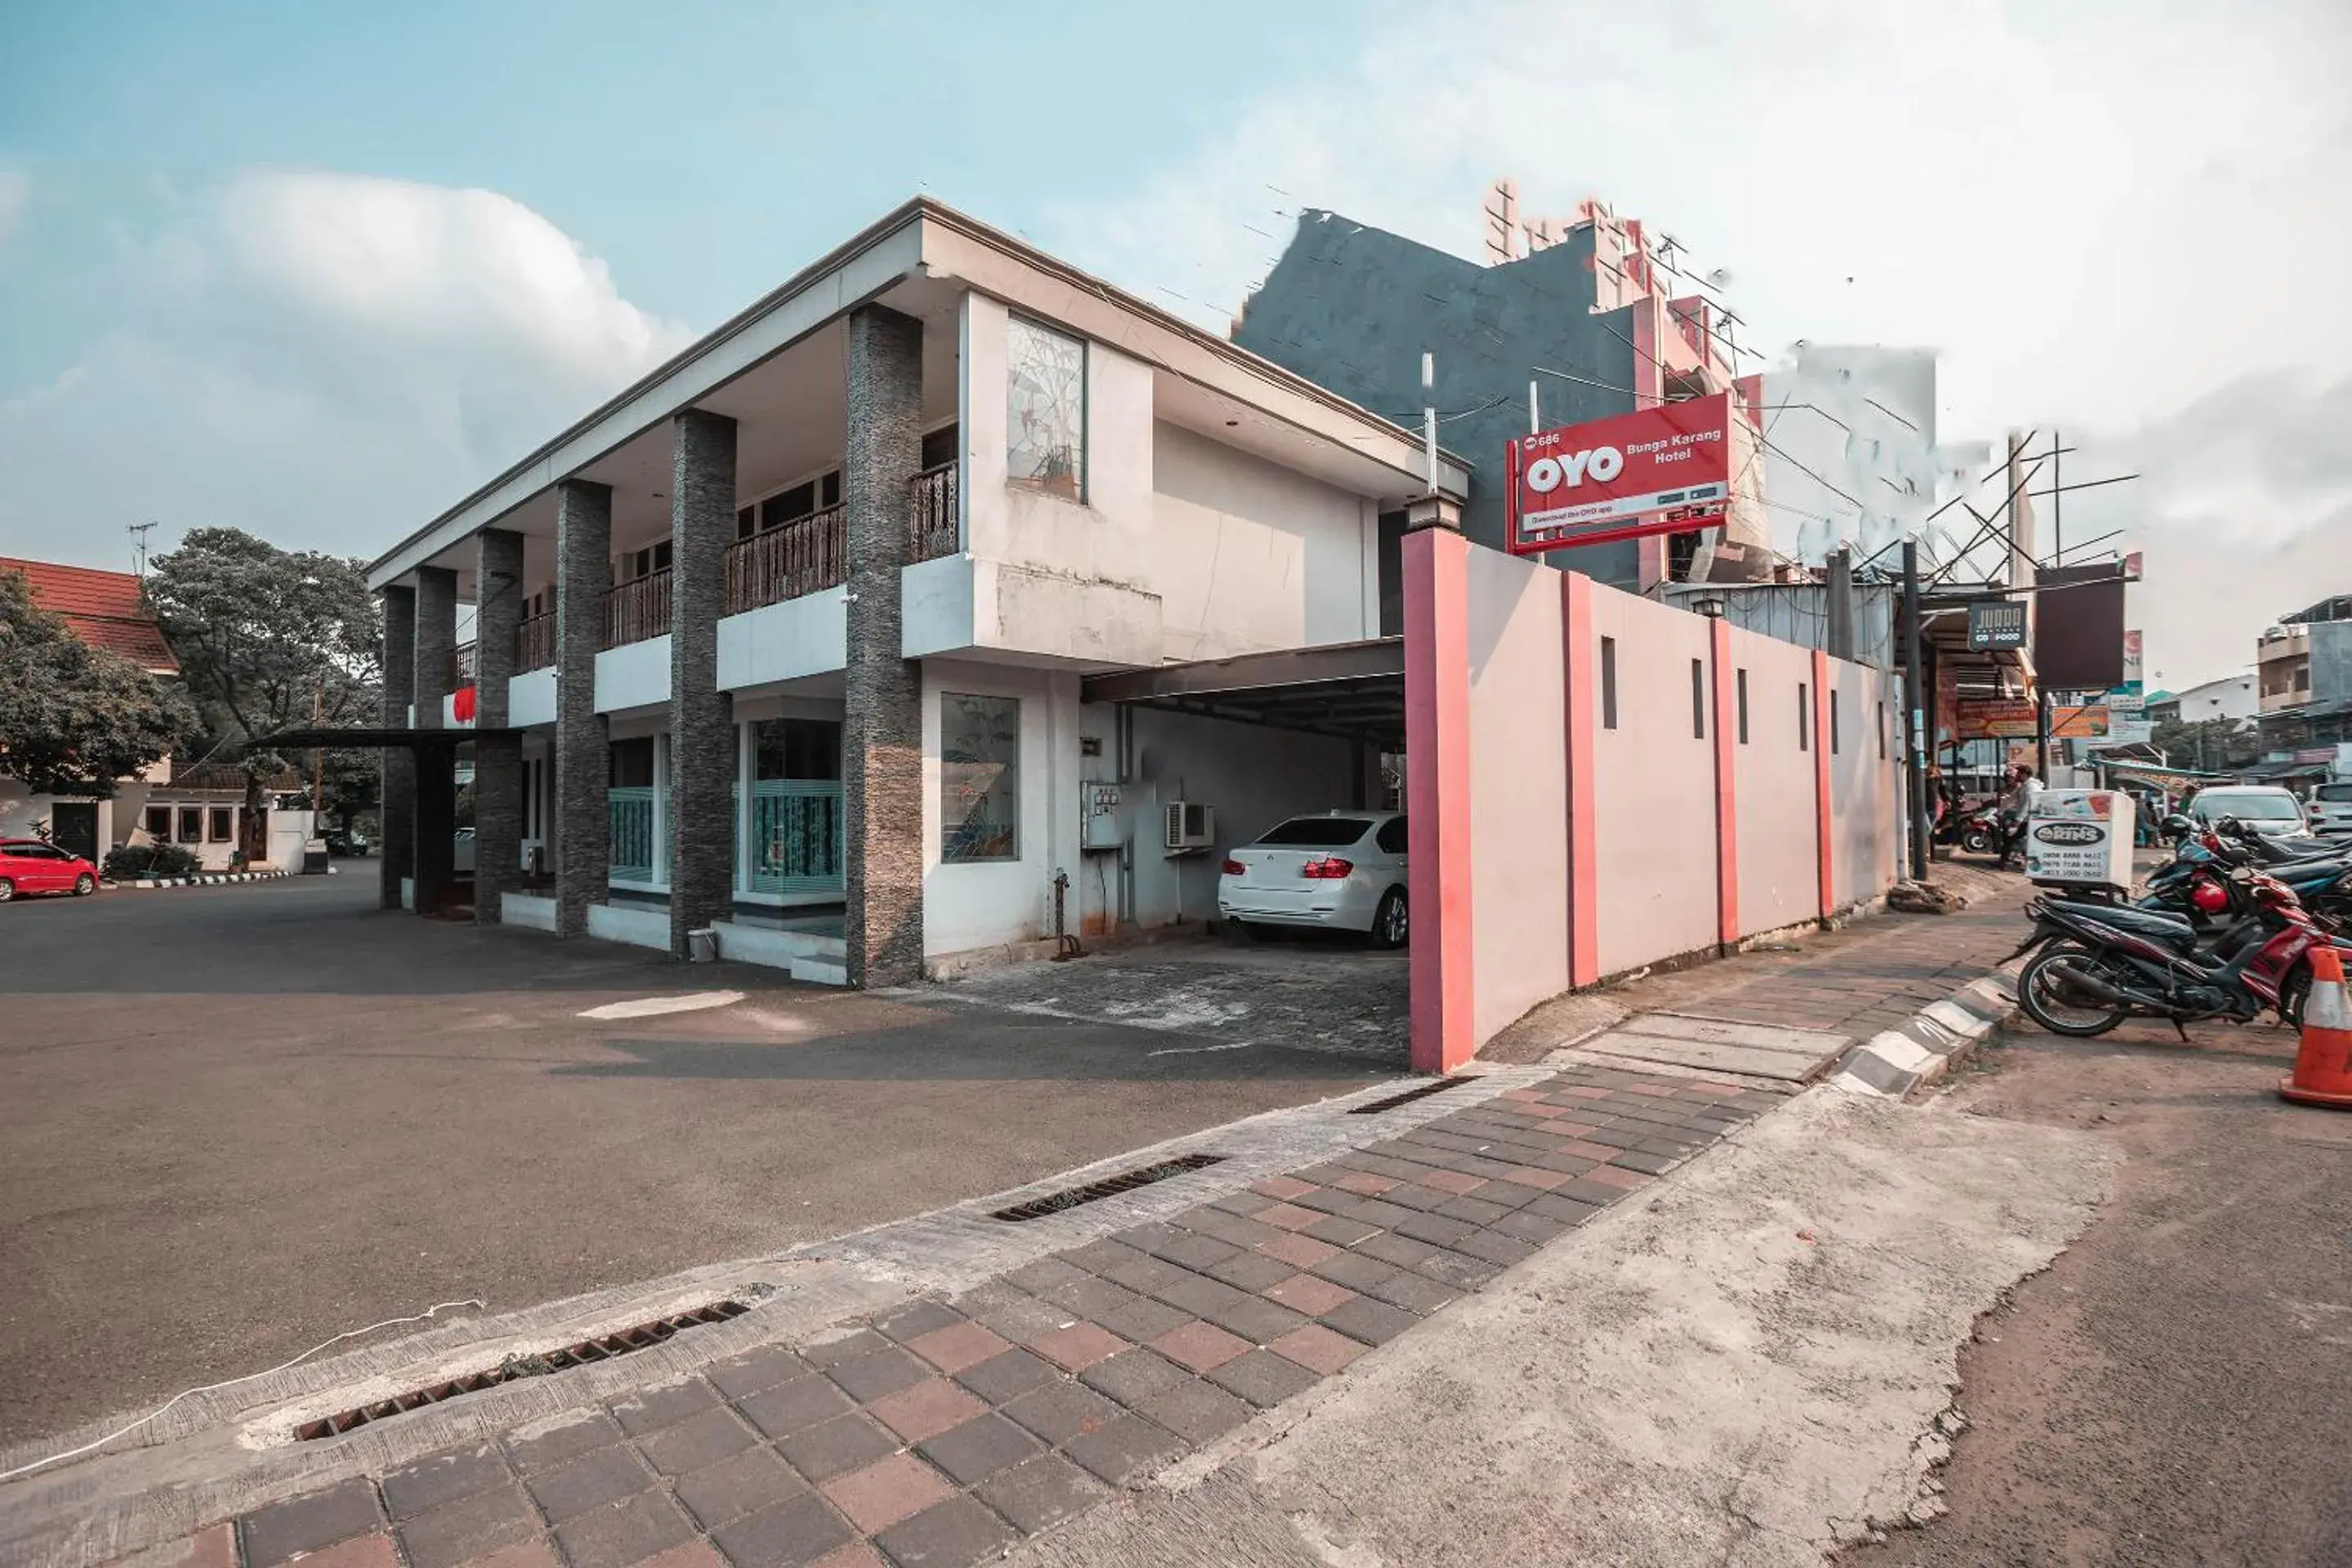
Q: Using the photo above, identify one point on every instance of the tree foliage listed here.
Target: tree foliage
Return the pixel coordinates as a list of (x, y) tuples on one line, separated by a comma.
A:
[(269, 639), (73, 718), (2214, 745)]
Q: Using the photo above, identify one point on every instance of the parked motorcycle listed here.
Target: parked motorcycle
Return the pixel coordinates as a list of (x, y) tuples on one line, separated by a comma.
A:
[(2100, 964), (1976, 830)]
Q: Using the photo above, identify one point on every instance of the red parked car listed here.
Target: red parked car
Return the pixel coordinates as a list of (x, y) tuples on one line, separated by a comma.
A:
[(30, 866)]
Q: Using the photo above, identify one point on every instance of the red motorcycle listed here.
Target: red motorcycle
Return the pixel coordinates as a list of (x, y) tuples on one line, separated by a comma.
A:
[(2101, 963)]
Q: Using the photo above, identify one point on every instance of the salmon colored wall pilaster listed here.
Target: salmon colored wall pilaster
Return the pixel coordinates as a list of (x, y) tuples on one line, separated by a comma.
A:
[(1583, 828), (1824, 831), (1437, 774), (1727, 794)]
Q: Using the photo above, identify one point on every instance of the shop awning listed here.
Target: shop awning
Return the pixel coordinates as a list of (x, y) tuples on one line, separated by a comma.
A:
[(1352, 691)]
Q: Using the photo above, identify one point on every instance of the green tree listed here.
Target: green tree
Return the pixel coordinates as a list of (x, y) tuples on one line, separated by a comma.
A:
[(73, 718), (269, 640), (2207, 745)]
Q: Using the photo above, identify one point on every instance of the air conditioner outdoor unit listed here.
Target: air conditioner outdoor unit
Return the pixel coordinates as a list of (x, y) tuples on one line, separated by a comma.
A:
[(1190, 824)]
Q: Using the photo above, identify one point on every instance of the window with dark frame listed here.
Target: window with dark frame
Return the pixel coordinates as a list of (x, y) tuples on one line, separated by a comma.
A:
[(1739, 685), (191, 824), (159, 823), (1609, 683), (1698, 700), (633, 763), (223, 826), (1804, 717)]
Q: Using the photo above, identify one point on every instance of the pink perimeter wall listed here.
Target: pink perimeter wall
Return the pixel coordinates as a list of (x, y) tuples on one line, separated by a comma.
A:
[(1552, 848), (1653, 784), (1779, 864)]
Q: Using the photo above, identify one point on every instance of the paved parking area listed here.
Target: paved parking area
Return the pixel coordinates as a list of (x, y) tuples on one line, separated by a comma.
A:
[(242, 1120), (1306, 992)]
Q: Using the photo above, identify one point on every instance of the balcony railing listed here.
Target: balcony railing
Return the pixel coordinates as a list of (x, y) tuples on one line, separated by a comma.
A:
[(806, 555), (931, 530), (535, 643), (637, 610)]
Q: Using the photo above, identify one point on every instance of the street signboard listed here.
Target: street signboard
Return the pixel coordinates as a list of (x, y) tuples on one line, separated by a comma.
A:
[(1997, 623), (2131, 696), (1656, 470), (2006, 718)]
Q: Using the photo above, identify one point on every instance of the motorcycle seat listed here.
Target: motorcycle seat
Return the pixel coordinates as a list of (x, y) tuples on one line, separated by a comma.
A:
[(2154, 924)]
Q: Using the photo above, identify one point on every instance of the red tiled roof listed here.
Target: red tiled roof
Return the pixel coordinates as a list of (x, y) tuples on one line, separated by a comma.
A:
[(104, 609)]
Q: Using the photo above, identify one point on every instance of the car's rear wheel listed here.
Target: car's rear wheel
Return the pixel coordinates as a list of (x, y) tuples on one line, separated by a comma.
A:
[(1389, 922), (85, 885), (8, 890)]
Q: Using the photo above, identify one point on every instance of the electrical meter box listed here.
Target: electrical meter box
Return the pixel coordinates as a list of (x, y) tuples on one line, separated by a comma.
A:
[(1098, 827), (2080, 838)]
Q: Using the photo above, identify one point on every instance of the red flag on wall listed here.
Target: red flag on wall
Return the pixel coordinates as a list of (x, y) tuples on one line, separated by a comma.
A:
[(463, 705)]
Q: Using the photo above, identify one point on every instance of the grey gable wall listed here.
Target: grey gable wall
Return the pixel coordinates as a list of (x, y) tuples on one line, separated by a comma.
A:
[(1352, 308)]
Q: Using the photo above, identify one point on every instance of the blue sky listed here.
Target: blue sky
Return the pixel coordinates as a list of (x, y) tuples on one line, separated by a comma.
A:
[(702, 150), (318, 270)]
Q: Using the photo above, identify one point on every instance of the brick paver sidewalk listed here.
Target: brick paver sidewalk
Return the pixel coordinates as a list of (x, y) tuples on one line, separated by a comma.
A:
[(1874, 974), (951, 1428)]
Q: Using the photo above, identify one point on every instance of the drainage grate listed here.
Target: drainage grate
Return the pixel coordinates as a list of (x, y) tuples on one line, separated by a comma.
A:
[(1437, 1085), (1124, 1182), (604, 1347)]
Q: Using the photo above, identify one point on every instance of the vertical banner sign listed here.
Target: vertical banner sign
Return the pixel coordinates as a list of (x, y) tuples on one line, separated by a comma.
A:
[(1659, 470), (2131, 696)]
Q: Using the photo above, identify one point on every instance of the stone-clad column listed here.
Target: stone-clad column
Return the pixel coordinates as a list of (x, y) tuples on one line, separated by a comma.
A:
[(396, 816), (436, 774), (701, 717), (583, 760), (883, 746), (498, 763)]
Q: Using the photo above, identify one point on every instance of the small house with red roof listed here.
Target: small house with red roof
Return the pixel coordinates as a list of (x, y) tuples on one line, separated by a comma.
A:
[(198, 808)]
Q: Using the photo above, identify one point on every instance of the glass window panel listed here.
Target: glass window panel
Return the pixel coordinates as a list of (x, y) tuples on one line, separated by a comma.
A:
[(633, 763), (980, 778), (191, 824), (159, 822), (1045, 409), (797, 749), (221, 832)]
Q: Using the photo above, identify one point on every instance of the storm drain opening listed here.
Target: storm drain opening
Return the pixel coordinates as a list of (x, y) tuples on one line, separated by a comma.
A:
[(603, 1347), (1436, 1086), (1124, 1182)]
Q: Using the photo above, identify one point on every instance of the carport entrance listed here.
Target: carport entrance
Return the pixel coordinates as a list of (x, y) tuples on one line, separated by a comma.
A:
[(1351, 691), (1308, 990)]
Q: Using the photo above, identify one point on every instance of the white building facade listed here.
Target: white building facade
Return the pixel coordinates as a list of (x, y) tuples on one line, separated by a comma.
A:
[(787, 643)]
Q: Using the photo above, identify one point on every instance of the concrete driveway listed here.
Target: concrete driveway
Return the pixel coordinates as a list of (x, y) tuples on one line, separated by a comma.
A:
[(242, 1120), (1308, 990)]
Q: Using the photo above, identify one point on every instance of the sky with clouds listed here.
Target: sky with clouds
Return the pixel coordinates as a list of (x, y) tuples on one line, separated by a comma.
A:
[(319, 273)]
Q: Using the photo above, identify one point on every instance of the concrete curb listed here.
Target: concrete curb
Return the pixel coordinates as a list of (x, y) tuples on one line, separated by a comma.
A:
[(202, 879), (1939, 1037)]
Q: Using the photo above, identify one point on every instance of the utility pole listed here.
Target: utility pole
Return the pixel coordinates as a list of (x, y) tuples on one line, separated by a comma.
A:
[(1915, 779), (318, 757), (2041, 735)]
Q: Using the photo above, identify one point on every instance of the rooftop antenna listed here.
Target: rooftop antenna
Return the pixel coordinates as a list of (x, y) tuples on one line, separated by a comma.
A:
[(138, 531)]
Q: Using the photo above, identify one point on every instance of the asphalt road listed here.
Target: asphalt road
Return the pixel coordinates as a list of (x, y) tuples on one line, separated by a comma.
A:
[(238, 1121), (2177, 1388)]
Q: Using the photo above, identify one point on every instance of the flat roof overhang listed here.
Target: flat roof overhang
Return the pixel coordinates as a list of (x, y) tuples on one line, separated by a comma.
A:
[(1350, 692), (377, 738)]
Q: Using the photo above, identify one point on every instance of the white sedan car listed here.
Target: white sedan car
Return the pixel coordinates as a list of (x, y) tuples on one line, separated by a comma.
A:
[(1344, 870)]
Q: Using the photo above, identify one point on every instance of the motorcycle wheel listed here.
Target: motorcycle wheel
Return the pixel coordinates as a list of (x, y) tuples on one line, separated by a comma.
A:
[(2051, 1003), (1975, 842)]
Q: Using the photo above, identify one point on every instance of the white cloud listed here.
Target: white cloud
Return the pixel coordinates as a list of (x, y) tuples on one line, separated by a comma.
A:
[(327, 359), (16, 189), (2102, 213)]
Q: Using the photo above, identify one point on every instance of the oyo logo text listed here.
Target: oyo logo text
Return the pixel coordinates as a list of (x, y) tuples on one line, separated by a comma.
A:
[(1602, 464)]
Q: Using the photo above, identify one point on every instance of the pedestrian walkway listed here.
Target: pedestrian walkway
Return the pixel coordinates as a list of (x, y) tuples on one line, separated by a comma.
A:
[(944, 1430)]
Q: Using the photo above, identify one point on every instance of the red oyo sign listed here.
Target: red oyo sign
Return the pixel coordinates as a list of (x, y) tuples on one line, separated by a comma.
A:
[(1658, 470)]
